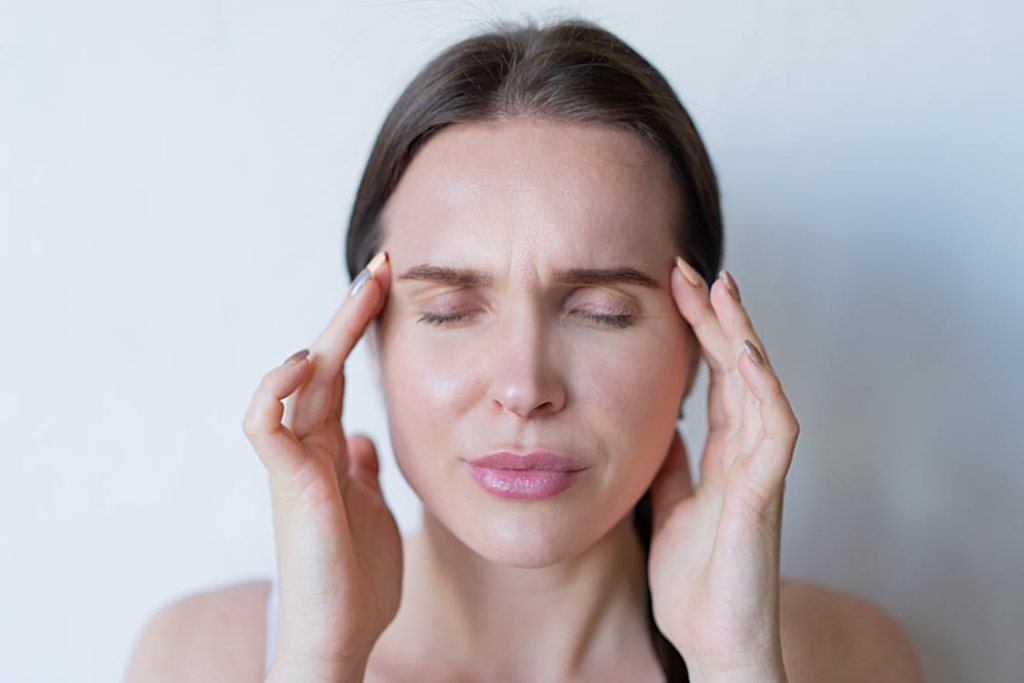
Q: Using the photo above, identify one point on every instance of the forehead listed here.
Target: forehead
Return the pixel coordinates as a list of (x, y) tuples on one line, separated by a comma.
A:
[(538, 188)]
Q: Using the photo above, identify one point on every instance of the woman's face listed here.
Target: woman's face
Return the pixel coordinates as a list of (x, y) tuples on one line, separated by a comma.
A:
[(531, 361)]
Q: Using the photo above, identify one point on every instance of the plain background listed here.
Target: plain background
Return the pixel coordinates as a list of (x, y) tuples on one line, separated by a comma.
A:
[(175, 184)]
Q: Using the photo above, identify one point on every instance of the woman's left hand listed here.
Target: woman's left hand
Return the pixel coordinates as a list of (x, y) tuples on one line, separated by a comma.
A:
[(714, 558)]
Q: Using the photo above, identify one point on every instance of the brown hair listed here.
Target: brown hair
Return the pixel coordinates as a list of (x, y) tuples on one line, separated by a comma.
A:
[(574, 71)]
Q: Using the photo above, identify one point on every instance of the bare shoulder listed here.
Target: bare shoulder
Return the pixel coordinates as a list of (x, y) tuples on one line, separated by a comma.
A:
[(831, 635), (213, 635)]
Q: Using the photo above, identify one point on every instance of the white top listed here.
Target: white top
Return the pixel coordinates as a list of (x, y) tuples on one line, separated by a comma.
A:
[(271, 624)]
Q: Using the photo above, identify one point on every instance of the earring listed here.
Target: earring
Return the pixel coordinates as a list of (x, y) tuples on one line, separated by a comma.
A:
[(681, 410)]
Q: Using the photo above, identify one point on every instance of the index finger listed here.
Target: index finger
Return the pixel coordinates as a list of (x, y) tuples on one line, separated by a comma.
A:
[(694, 303), (320, 398)]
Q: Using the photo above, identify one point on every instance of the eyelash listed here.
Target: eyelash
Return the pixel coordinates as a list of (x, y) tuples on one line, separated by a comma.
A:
[(619, 321)]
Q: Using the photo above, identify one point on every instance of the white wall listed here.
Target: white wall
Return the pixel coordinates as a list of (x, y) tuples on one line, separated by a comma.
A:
[(175, 181)]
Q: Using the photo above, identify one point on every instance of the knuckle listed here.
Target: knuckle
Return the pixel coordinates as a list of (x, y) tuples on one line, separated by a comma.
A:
[(252, 426), (249, 428), (701, 323), (251, 422), (791, 431)]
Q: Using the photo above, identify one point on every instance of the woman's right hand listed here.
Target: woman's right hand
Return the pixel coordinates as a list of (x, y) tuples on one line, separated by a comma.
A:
[(339, 551)]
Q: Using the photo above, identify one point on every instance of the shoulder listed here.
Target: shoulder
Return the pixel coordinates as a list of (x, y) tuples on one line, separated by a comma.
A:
[(831, 635), (213, 635)]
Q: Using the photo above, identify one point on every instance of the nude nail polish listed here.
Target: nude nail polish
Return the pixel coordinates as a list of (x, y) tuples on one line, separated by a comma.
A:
[(367, 272), (752, 351), (296, 357), (375, 262), (358, 283), (730, 284), (691, 275)]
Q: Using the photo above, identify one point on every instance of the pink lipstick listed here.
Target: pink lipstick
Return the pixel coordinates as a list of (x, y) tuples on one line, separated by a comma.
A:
[(534, 476)]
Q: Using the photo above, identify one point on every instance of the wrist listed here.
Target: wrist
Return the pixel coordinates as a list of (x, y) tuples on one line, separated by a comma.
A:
[(751, 676), (306, 670), (769, 671)]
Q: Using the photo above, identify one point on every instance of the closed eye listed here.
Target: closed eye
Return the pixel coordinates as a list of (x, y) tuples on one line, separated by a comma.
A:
[(619, 320), (443, 319)]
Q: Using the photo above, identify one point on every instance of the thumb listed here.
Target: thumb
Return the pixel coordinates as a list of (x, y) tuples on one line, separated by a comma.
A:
[(672, 482)]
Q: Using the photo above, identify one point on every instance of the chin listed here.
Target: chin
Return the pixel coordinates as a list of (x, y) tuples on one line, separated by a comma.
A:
[(527, 534), (527, 541)]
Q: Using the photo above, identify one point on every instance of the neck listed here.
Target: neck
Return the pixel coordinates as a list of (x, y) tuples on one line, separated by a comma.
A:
[(497, 622)]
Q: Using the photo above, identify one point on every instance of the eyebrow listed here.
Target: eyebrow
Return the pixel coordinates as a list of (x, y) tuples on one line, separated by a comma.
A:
[(468, 277)]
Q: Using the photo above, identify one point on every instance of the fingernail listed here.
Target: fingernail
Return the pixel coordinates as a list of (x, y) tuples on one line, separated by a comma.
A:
[(296, 357), (375, 262), (752, 351), (358, 283), (366, 272), (691, 275), (730, 284)]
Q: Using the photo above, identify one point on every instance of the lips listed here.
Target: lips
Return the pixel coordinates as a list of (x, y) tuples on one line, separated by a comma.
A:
[(533, 476), (535, 460)]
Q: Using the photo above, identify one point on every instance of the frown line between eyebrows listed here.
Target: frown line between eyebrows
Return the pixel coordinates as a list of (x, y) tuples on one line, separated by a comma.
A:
[(469, 277)]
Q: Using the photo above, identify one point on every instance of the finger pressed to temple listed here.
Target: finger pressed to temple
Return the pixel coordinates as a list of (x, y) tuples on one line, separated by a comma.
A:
[(695, 307)]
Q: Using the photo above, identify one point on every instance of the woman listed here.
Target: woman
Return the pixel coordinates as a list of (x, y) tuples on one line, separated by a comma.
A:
[(532, 243)]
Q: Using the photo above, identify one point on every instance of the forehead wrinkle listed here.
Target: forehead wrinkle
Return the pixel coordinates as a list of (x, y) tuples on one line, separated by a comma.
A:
[(489, 190), (472, 277)]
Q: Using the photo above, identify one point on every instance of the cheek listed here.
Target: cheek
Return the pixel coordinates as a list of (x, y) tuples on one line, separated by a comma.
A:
[(633, 381), (428, 388), (424, 379), (633, 393)]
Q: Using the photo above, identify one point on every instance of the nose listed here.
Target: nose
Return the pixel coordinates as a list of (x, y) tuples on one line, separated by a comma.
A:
[(525, 381)]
